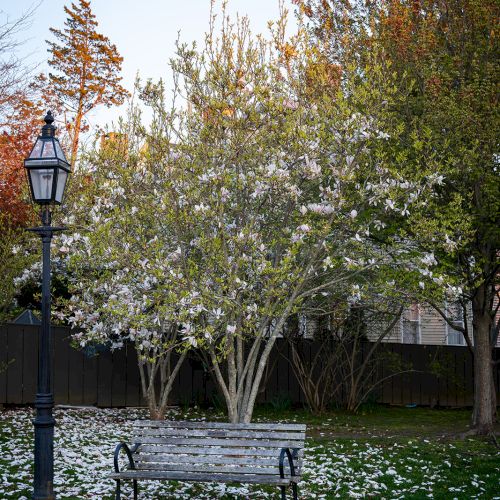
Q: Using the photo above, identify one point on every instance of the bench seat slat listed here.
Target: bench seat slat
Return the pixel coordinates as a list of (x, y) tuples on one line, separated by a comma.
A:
[(208, 459), (189, 424), (211, 450), (203, 477), (220, 442), (211, 468), (223, 433)]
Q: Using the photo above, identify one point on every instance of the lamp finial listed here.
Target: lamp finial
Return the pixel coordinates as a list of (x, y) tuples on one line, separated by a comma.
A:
[(48, 130)]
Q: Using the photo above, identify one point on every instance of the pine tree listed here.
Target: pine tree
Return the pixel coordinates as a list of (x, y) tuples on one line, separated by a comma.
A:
[(87, 69)]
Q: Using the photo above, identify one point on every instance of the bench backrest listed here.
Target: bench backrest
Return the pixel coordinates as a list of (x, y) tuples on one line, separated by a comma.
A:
[(216, 447)]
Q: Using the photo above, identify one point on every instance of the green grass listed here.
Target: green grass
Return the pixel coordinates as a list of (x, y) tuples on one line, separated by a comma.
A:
[(416, 468), (382, 452), (379, 421)]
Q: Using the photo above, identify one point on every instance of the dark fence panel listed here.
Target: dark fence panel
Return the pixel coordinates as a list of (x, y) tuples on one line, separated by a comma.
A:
[(441, 375), (3, 363)]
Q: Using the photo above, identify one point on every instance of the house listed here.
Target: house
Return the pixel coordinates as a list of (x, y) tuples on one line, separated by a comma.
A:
[(422, 324), (419, 324)]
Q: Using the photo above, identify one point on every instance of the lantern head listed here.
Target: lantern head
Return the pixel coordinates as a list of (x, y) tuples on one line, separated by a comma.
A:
[(47, 166)]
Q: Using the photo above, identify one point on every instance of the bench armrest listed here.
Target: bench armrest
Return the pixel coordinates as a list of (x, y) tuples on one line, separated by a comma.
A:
[(289, 454), (128, 451)]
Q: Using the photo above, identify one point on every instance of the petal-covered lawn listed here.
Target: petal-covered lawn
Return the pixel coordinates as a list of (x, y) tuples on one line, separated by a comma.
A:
[(359, 467)]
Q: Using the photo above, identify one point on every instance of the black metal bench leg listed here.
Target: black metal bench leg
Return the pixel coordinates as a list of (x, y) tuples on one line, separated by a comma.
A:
[(283, 492), (295, 492), (119, 493)]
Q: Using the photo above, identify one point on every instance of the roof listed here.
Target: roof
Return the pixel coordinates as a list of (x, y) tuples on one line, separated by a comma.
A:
[(27, 317)]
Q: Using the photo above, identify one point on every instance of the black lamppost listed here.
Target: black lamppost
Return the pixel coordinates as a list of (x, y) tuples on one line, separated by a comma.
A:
[(48, 171)]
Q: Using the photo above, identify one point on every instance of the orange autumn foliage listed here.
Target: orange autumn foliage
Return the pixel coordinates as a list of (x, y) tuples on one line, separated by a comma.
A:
[(86, 69), (322, 75), (16, 140)]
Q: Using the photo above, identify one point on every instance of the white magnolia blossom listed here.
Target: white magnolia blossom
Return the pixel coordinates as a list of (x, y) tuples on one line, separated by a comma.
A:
[(428, 259)]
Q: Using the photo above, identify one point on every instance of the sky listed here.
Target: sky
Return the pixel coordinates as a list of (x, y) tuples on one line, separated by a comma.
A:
[(144, 32)]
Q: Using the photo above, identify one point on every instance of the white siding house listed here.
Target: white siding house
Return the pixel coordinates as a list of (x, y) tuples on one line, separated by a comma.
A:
[(420, 324)]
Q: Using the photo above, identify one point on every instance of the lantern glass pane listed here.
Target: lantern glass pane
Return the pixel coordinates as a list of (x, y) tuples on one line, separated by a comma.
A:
[(59, 151), (37, 149), (41, 182), (48, 150), (62, 177)]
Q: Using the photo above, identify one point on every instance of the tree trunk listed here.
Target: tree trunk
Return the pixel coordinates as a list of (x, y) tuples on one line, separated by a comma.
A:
[(484, 413), (157, 403), (76, 136)]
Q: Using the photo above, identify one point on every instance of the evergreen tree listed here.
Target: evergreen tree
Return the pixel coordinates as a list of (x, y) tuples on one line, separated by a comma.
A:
[(87, 69)]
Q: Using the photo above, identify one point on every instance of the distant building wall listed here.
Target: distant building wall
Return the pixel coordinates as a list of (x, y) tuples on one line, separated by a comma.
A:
[(432, 329)]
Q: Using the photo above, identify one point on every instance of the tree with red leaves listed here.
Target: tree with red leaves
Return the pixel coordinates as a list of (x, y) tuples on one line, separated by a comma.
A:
[(18, 115), (16, 141)]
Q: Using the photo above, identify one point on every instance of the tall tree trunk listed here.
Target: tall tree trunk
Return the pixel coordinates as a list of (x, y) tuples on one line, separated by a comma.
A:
[(75, 139), (484, 412)]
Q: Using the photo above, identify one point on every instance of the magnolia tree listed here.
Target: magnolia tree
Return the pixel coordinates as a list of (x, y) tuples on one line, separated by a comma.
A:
[(281, 185), (123, 260), (16, 255), (215, 225)]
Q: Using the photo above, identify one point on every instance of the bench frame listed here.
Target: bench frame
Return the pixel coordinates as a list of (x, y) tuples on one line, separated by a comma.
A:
[(291, 454)]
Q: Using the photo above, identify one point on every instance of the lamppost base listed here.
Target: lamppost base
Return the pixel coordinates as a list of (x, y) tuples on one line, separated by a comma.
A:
[(44, 447), (45, 497)]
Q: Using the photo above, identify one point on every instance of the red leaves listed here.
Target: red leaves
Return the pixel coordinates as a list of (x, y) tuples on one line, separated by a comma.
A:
[(16, 142)]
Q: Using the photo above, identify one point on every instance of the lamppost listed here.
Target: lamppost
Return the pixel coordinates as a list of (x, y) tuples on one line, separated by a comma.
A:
[(48, 171)]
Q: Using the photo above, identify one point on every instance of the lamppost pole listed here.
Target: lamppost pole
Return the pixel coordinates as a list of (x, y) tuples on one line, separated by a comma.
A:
[(48, 171), (44, 400)]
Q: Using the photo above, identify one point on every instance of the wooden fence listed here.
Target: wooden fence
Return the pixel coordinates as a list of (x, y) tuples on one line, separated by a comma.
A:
[(111, 379)]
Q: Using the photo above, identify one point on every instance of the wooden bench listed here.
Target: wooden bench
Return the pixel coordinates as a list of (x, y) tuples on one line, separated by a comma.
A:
[(214, 452)]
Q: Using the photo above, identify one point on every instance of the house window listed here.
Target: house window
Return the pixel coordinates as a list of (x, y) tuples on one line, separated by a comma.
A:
[(455, 314), (410, 325), (303, 325), (308, 326)]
